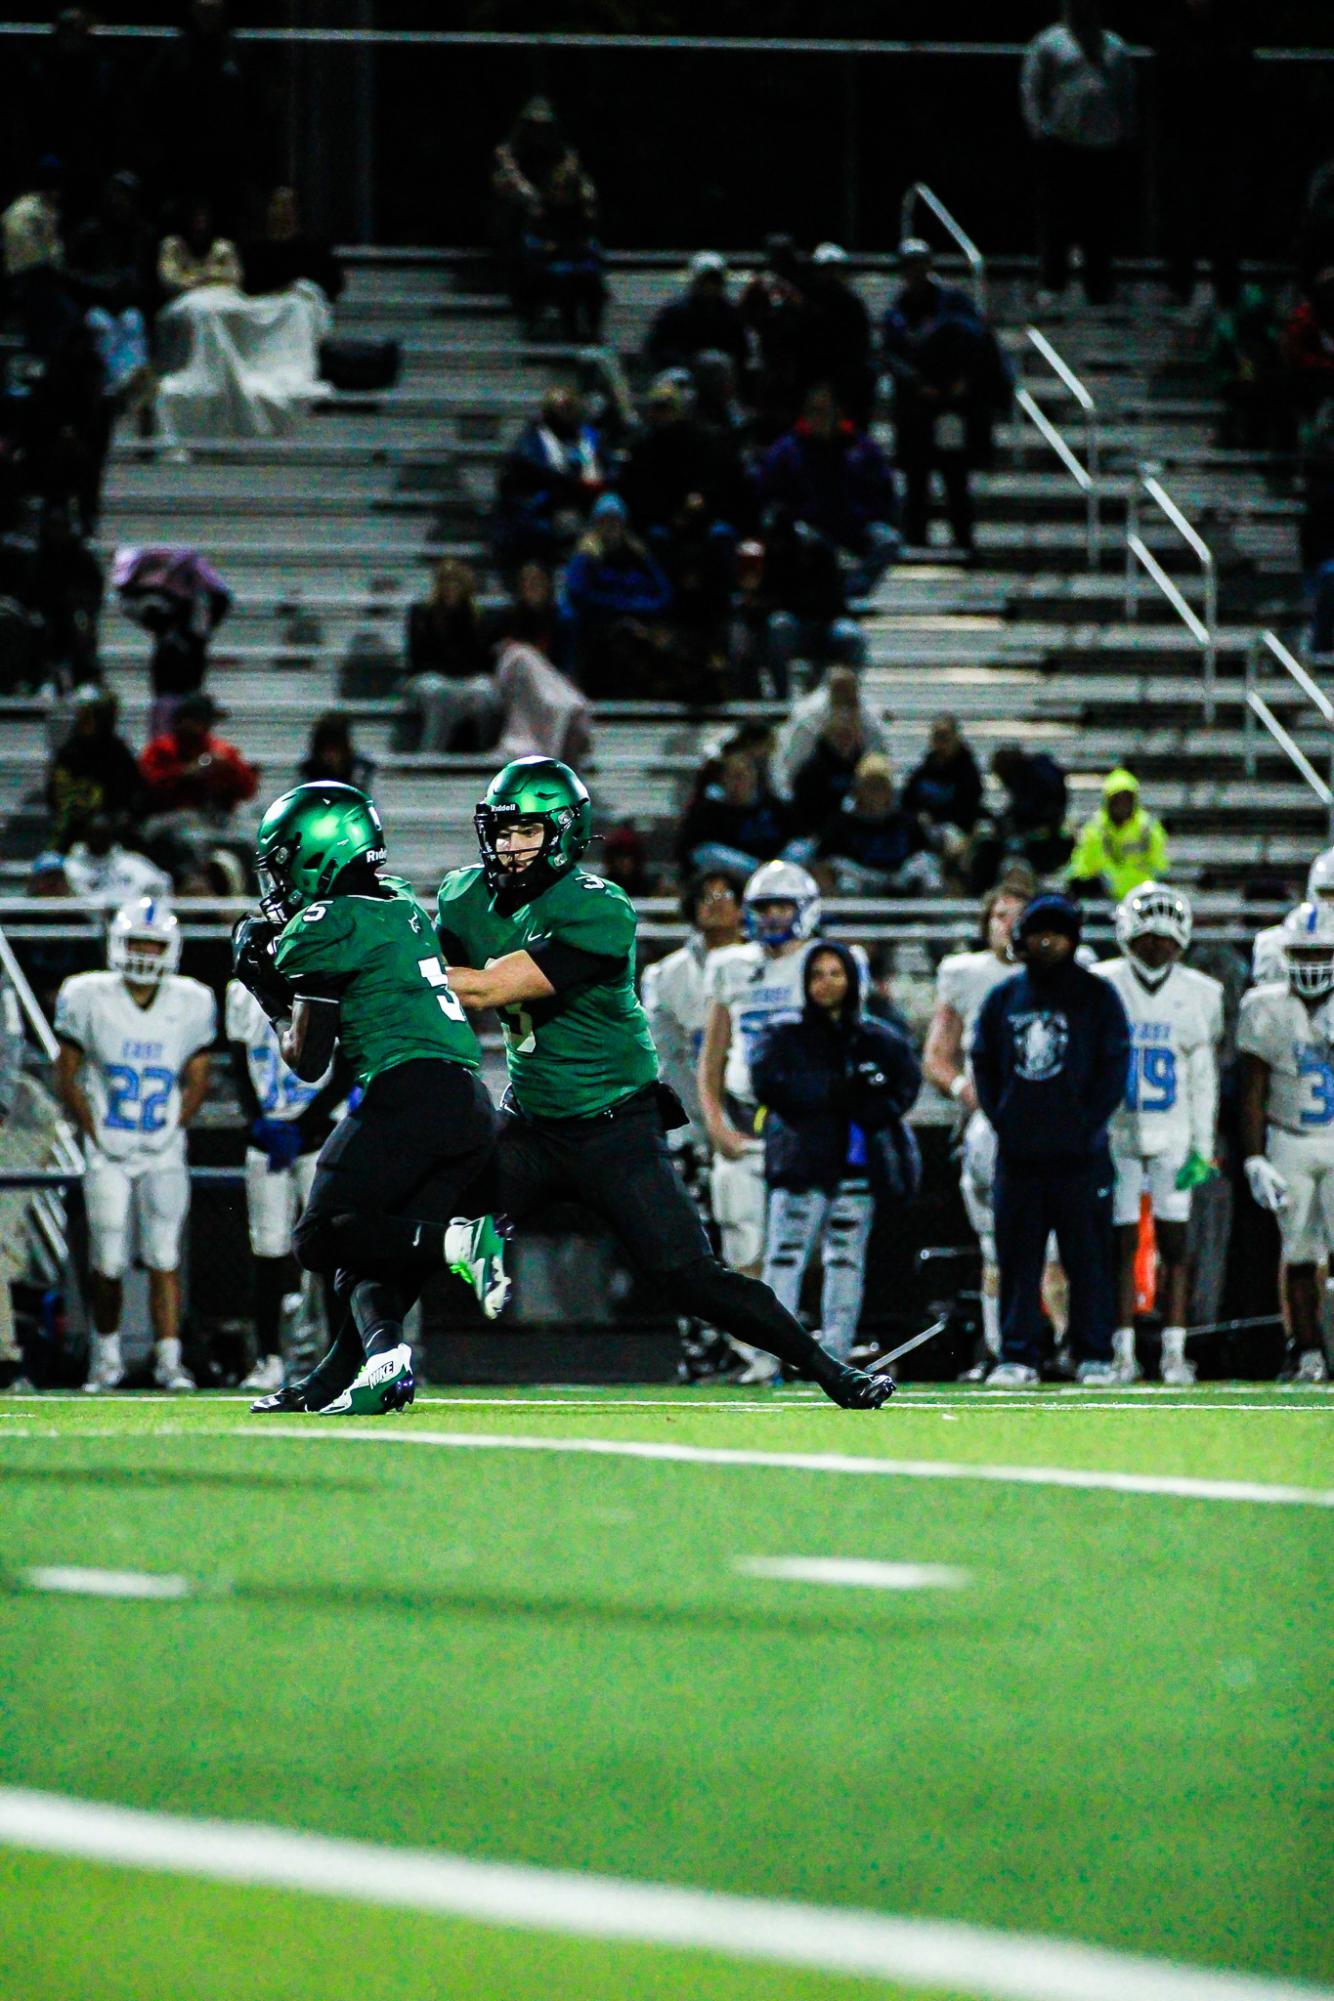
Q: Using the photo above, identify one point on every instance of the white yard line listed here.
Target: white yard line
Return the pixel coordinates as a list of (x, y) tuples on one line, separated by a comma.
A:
[(855, 1572), (918, 1952), (106, 1583), (1176, 1486)]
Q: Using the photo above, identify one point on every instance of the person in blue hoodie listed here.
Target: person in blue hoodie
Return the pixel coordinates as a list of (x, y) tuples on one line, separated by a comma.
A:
[(1050, 1055), (836, 1085)]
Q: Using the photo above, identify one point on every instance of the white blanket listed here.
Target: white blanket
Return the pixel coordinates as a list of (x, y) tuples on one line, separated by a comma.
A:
[(249, 367)]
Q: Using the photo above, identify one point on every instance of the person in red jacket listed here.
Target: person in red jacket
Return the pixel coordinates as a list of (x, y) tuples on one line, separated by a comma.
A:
[(189, 770)]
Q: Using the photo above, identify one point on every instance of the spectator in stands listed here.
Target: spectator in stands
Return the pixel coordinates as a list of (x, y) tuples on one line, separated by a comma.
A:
[(67, 426), (38, 283), (700, 564), (833, 477), (94, 772), (97, 866), (175, 594), (676, 463), (523, 169), (1029, 825), (1205, 78), (820, 747), (616, 596), (196, 256), (67, 109), (947, 381), (112, 264), (624, 859), (59, 580), (450, 663), (194, 121), (1078, 97), (532, 614), (285, 254), (790, 602), (842, 331), (551, 476), (779, 318), (1121, 845), (1245, 361), (946, 787), (734, 821), (702, 319), (871, 846), (542, 713), (562, 261), (190, 770), (331, 753)]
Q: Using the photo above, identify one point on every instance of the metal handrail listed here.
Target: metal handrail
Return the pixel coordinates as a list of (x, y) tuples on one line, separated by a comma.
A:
[(977, 263), (1204, 631), (1085, 476), (1268, 645)]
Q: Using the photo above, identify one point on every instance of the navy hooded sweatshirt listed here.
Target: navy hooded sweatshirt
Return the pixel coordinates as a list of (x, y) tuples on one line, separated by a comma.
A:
[(835, 1093), (1050, 1057)]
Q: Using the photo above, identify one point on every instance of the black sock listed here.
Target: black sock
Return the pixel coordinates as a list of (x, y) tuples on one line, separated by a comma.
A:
[(271, 1276), (747, 1308), (377, 1308), (329, 1378)]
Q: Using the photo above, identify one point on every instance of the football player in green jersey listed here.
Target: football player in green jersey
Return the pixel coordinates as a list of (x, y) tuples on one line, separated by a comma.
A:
[(342, 953), (585, 1118)]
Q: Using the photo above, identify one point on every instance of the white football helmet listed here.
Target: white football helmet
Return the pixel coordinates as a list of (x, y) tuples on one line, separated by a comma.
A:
[(1320, 879), (147, 921), (1153, 911), (1308, 949), (780, 882)]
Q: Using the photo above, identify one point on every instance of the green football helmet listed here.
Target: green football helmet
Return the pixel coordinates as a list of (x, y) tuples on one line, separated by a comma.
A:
[(307, 838), (533, 788)]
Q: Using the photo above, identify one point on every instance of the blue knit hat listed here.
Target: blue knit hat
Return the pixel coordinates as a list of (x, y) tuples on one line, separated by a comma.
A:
[(1050, 912)]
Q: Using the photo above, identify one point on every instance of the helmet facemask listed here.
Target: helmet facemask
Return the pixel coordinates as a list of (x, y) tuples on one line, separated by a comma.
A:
[(518, 878), (278, 898), (143, 944), (1311, 977)]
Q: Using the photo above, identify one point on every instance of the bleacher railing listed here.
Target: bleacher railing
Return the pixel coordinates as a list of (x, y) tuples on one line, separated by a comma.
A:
[(1203, 630), (1264, 649), (1085, 476), (46, 1184), (919, 192)]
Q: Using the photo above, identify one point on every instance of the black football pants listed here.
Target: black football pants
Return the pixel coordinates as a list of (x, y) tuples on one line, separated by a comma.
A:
[(1073, 1199)]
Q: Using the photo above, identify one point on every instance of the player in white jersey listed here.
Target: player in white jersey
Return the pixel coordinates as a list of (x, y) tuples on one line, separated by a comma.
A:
[(289, 1121), (963, 981), (132, 1071), (1267, 959), (674, 990), (1285, 1041), (1162, 1138)]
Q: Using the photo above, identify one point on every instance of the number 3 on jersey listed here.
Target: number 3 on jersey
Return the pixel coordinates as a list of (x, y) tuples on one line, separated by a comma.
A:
[(1320, 1080), (450, 1004)]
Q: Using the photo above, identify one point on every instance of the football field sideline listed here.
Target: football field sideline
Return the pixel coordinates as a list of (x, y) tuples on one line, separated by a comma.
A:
[(914, 1952)]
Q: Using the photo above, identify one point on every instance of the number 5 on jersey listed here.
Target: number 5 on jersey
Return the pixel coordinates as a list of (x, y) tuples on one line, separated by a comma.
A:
[(450, 1004)]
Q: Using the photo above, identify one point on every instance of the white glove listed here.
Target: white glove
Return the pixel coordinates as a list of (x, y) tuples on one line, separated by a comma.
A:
[(1267, 1185)]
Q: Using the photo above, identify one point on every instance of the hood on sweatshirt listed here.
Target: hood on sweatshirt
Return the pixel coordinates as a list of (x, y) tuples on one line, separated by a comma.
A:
[(852, 1006)]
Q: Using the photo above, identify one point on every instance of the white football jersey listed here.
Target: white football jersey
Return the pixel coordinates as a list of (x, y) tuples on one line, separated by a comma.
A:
[(1297, 1044), (133, 1057), (1267, 961), (757, 990), (963, 981), (281, 1093), (676, 1002), (1171, 1101)]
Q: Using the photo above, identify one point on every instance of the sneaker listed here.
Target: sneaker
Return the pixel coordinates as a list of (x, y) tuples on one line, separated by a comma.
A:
[(476, 1254), (290, 1397), (1098, 1376), (266, 1376), (857, 1389), (383, 1383), (759, 1370), (169, 1373), (106, 1371), (1311, 1367), (1013, 1376), (1178, 1373)]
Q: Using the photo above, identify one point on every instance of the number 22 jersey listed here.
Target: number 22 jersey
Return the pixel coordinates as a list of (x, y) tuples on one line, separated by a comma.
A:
[(1295, 1041), (133, 1058)]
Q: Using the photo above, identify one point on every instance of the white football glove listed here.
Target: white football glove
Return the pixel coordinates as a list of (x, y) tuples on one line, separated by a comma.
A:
[(1267, 1185)]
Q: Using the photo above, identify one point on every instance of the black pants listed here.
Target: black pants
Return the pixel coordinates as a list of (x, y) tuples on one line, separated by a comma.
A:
[(617, 1165), (1074, 1199), (1083, 191)]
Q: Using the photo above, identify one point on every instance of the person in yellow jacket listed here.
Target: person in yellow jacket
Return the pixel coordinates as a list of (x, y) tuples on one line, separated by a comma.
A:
[(1122, 845)]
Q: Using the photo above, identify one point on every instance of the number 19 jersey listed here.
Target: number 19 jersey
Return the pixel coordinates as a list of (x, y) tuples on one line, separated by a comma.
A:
[(1171, 1100), (133, 1058), (378, 957), (1297, 1044)]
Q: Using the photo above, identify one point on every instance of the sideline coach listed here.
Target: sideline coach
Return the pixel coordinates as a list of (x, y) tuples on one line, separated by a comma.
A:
[(1050, 1056)]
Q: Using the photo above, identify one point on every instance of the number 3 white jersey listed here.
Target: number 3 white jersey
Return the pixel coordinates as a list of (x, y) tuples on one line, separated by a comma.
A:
[(1295, 1042), (281, 1093), (1171, 1101), (133, 1058)]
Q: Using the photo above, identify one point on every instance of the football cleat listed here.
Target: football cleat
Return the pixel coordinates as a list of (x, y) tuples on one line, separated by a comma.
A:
[(1178, 1373), (291, 1397), (1098, 1375), (1309, 1366), (476, 1254), (858, 1389), (1123, 1352), (383, 1383), (266, 1376), (106, 1371), (170, 1373), (1013, 1376)]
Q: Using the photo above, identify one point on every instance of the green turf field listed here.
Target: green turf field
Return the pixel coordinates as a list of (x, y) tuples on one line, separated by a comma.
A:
[(1114, 1730)]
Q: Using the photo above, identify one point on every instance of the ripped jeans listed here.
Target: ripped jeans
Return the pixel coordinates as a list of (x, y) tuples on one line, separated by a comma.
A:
[(839, 1222)]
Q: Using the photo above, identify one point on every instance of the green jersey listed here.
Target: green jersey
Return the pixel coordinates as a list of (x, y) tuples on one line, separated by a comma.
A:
[(587, 1047), (380, 959)]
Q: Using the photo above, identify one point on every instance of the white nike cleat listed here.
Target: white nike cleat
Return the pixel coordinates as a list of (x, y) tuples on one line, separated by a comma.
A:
[(1013, 1376), (106, 1371), (265, 1377), (383, 1383), (475, 1252), (1098, 1376), (169, 1372)]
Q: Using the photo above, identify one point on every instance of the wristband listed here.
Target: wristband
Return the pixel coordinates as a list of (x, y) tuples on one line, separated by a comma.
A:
[(959, 1085)]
